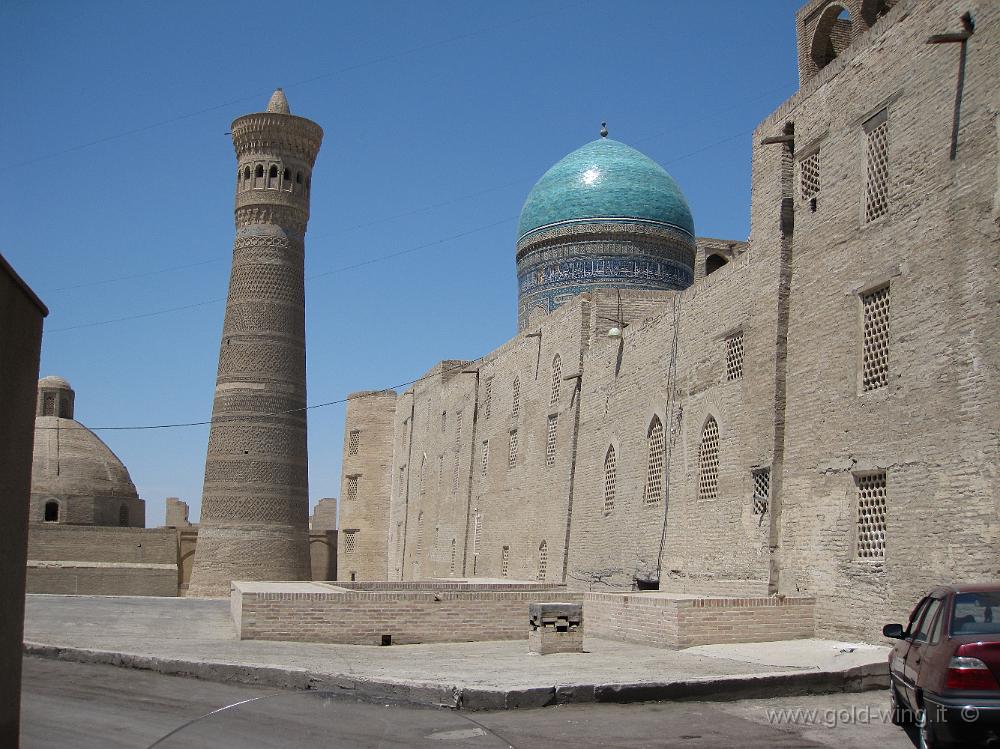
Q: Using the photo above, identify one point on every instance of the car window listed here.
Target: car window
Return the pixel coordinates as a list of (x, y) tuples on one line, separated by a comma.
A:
[(918, 610), (927, 621), (937, 629), (974, 614)]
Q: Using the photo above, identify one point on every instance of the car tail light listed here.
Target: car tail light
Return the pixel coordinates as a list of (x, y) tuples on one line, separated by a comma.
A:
[(969, 674)]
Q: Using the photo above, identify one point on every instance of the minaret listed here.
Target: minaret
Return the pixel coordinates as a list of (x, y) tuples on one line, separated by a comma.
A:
[(255, 504)]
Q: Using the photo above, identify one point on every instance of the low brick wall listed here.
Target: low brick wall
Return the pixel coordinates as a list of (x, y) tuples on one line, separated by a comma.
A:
[(407, 612), (677, 621), (102, 579), (102, 560)]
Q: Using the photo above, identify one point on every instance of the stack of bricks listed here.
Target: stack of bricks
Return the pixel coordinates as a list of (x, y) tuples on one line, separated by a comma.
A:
[(555, 628)]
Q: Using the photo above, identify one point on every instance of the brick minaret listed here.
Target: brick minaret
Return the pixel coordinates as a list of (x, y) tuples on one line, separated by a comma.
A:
[(254, 511)]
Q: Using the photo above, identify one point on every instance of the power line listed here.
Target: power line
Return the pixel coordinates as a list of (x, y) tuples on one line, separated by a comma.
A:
[(353, 266), (338, 401)]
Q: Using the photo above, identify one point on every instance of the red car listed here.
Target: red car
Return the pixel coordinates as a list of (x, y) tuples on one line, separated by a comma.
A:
[(944, 671)]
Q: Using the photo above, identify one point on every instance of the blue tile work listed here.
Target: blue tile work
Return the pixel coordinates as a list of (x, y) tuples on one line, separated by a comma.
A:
[(606, 180)]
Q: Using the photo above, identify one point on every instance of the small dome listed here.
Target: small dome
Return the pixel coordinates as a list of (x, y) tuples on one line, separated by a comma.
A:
[(54, 382), (605, 180), (278, 103), (70, 460)]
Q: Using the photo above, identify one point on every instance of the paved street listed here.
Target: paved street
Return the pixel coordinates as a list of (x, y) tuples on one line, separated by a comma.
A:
[(82, 705)]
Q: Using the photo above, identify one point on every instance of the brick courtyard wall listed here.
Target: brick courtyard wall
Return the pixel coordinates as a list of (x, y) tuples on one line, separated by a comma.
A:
[(665, 622), (363, 617), (97, 560)]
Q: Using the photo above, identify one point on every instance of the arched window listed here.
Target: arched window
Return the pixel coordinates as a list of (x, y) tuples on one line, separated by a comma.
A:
[(272, 176), (298, 178), (832, 35), (515, 407), (123, 515), (610, 479), (52, 512), (708, 461), (713, 263), (246, 172), (556, 380), (654, 467), (287, 176), (258, 174), (543, 559)]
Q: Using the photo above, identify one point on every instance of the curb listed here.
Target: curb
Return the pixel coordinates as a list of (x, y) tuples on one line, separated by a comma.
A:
[(709, 689)]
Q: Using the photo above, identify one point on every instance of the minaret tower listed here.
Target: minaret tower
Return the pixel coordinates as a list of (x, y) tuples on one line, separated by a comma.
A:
[(255, 504)]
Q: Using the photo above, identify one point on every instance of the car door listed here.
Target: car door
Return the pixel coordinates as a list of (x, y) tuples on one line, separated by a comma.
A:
[(920, 637)]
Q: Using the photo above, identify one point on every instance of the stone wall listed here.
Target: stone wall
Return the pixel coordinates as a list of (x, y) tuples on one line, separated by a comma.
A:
[(21, 314), (677, 622), (94, 560), (366, 486), (431, 612)]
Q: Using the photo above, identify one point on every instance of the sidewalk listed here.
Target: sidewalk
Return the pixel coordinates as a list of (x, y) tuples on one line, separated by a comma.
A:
[(192, 637)]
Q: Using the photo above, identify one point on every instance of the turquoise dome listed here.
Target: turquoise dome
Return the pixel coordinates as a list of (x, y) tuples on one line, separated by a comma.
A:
[(605, 180)]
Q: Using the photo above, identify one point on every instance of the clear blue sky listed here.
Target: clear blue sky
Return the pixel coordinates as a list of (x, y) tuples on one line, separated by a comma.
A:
[(439, 117)]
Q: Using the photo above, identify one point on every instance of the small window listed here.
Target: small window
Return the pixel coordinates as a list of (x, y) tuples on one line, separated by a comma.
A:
[(352, 488), (516, 398), (512, 452), (51, 512), (444, 421), (486, 455), (423, 467), (399, 542), (458, 430), (488, 399), (734, 356), (259, 172), (477, 533), (123, 516), (713, 263), (272, 172), (287, 175), (653, 491), (454, 477), (440, 482), (49, 404), (871, 515), (402, 480), (298, 178), (610, 479), (543, 560), (354, 442), (504, 561), (875, 354), (556, 381), (809, 176), (420, 534), (550, 440), (451, 565), (877, 157), (350, 542), (708, 461), (246, 172), (761, 490)]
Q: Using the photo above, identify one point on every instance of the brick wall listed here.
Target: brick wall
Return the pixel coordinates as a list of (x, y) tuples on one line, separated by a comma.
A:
[(668, 622), (464, 613)]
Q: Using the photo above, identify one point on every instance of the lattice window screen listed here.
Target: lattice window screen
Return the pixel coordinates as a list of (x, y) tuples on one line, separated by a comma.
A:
[(488, 399), (550, 440), (420, 534), (871, 515), (458, 430), (451, 565), (352, 488), (877, 184), (512, 452), (809, 175), (734, 356), (708, 461), (543, 560), (444, 421), (761, 490), (350, 541), (515, 407), (556, 380), (477, 533), (653, 491), (875, 356), (610, 479), (354, 442), (504, 561), (486, 455)]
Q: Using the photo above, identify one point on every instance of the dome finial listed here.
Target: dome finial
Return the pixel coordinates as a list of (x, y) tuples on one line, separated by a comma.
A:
[(604, 130), (278, 102)]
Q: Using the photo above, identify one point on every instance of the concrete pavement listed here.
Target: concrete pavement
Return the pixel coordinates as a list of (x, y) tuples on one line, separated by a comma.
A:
[(195, 637)]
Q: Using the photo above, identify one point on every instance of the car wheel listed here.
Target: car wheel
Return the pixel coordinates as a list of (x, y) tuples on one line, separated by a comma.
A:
[(898, 714)]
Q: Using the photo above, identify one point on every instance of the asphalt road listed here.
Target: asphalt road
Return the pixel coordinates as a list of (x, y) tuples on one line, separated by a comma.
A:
[(79, 705)]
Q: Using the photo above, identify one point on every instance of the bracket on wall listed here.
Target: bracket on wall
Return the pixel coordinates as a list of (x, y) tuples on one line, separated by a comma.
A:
[(533, 335), (774, 139), (572, 377), (968, 26)]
